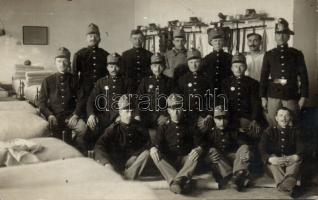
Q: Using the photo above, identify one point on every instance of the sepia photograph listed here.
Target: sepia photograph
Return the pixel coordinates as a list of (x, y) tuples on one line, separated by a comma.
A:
[(158, 99)]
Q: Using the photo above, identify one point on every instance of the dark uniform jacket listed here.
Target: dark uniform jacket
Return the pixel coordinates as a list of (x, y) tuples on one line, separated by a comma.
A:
[(243, 97), (58, 95), (218, 67), (287, 63), (115, 87), (281, 142), (121, 141), (136, 64), (153, 87), (226, 141), (89, 65), (174, 139), (192, 86)]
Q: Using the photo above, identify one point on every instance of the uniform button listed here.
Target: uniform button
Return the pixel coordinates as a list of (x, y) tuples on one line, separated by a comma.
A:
[(178, 134), (282, 50), (283, 70), (94, 64), (94, 58), (94, 70), (138, 56), (177, 126), (62, 103), (217, 60), (216, 73), (94, 76), (283, 77), (138, 68), (283, 146), (217, 54), (113, 93), (63, 132), (238, 109), (62, 90), (138, 62), (195, 77), (223, 146), (239, 94), (196, 103), (283, 139), (282, 132), (194, 89), (178, 146), (282, 57), (217, 67), (216, 80), (194, 83), (178, 141), (238, 88), (223, 140), (130, 141), (62, 96), (283, 64)]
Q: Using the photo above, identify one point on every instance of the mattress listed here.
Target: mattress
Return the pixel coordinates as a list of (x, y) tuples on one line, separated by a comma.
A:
[(75, 178)]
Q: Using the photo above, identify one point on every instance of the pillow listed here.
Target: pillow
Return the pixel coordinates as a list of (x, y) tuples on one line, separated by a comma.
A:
[(55, 149), (14, 124)]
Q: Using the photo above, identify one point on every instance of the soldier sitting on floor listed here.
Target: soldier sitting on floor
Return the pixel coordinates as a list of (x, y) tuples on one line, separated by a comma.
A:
[(282, 150), (124, 145), (177, 148), (106, 92), (229, 153), (57, 101)]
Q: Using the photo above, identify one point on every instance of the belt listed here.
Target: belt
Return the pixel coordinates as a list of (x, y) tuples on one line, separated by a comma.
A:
[(281, 81)]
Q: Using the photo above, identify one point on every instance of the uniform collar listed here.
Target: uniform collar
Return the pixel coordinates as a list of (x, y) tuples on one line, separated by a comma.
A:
[(179, 51), (283, 46), (220, 51), (93, 47)]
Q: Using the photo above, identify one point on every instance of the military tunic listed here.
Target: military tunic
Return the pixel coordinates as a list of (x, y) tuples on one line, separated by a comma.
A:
[(136, 64), (89, 65), (174, 58), (218, 67)]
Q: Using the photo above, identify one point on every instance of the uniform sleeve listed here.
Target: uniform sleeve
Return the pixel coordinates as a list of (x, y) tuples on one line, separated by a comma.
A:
[(264, 76), (100, 149), (159, 137), (263, 147), (90, 106), (123, 66), (76, 66), (256, 101), (43, 99), (300, 145), (199, 139), (302, 72), (75, 87), (229, 64)]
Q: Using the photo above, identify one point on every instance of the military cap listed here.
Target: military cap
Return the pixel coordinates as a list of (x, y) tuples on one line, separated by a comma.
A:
[(219, 111), (113, 58), (63, 52), (136, 31), (157, 58), (92, 28), (175, 101), (178, 33), (214, 33), (282, 26), (239, 58), (251, 34), (193, 54), (125, 102)]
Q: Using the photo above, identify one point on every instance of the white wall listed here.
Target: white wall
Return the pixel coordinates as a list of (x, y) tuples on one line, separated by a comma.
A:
[(67, 22)]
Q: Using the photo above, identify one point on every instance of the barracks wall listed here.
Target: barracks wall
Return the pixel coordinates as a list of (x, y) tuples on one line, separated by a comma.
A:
[(67, 22)]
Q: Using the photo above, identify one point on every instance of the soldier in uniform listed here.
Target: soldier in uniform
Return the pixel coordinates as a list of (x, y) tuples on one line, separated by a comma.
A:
[(89, 65), (283, 69), (124, 145), (196, 88), (155, 88), (136, 61), (101, 103), (243, 97), (229, 153), (254, 58), (217, 64), (176, 58), (57, 102), (282, 150), (177, 147)]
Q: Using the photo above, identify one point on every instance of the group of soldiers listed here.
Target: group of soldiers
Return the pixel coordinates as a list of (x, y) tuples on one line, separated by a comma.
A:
[(182, 110)]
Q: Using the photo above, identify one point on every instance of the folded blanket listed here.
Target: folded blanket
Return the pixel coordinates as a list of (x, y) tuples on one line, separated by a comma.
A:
[(36, 77), (18, 152)]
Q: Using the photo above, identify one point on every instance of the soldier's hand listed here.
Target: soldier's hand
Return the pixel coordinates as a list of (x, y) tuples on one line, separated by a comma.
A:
[(52, 121), (137, 117), (72, 121), (293, 159), (195, 153), (276, 160), (162, 120), (208, 122), (245, 156), (255, 127), (154, 154), (301, 102), (92, 121), (200, 123), (214, 157), (264, 104)]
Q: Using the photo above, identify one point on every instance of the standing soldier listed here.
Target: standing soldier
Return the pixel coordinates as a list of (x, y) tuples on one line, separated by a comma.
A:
[(124, 145), (106, 92), (155, 88), (196, 89), (229, 153), (242, 93), (176, 58), (57, 101), (254, 59), (89, 65), (136, 61), (282, 150), (217, 64), (283, 70), (177, 148)]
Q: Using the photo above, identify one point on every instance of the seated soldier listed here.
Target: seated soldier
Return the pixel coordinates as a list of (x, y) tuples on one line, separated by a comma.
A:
[(176, 148), (124, 145), (105, 94), (195, 86), (243, 97), (57, 102), (153, 91), (229, 153), (282, 151)]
